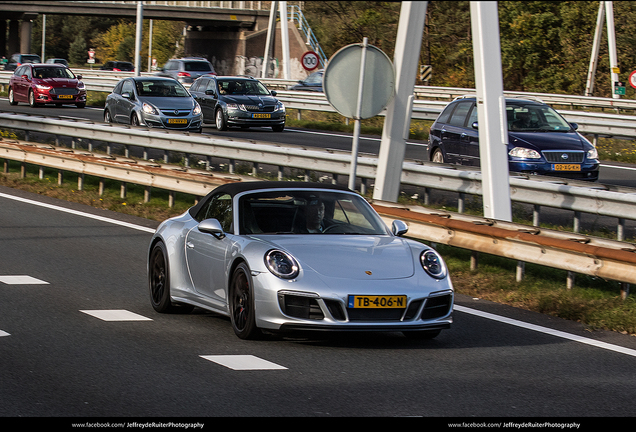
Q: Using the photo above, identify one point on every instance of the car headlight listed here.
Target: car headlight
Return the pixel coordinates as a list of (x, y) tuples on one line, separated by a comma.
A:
[(81, 86), (236, 107), (592, 154), (281, 264), (433, 264), (525, 153), (279, 107), (149, 109), (43, 87), (197, 109)]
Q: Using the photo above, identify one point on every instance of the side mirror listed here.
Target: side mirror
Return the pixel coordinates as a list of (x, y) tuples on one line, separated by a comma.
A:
[(575, 126), (126, 95), (273, 92), (212, 226), (399, 228), (210, 92), (475, 125), (79, 77)]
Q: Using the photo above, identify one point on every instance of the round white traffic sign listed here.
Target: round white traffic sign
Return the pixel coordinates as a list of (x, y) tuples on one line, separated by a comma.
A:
[(632, 79), (310, 60)]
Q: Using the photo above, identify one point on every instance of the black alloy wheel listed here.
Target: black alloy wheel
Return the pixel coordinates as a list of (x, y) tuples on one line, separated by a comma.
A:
[(242, 311), (159, 282)]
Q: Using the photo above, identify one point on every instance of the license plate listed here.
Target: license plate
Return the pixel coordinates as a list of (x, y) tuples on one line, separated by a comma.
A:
[(382, 302), (65, 96), (261, 116), (566, 167), (177, 121)]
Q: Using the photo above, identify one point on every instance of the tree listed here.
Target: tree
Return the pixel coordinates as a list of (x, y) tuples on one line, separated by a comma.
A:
[(78, 52)]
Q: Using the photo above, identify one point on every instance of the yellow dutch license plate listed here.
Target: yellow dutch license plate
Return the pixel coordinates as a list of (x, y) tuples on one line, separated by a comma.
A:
[(381, 302), (261, 116), (177, 121), (566, 167), (65, 96)]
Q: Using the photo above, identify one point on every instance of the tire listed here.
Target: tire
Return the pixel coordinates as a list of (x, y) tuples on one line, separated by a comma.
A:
[(278, 128), (107, 116), (134, 120), (159, 282), (422, 334), (438, 156), (32, 103), (242, 312), (219, 120), (12, 100)]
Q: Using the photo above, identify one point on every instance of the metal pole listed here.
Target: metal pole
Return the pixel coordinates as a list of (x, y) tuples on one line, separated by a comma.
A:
[(611, 41), (43, 37), (271, 29), (393, 145), (356, 119), (598, 34), (150, 48), (491, 110), (139, 29), (284, 33)]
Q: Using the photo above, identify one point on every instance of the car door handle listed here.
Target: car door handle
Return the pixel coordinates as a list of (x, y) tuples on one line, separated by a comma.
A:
[(190, 245)]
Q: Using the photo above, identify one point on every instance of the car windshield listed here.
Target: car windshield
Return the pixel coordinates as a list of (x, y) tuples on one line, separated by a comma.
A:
[(52, 72), (30, 59), (526, 118), (165, 88), (197, 66), (242, 87), (307, 212)]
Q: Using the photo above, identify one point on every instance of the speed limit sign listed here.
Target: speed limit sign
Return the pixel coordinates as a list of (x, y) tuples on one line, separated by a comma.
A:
[(310, 60), (632, 79)]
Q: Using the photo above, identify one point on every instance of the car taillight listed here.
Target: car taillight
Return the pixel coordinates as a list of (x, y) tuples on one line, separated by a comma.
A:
[(183, 74), (118, 70)]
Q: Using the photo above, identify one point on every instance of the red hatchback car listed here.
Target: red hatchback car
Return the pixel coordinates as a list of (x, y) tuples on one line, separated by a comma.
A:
[(39, 84)]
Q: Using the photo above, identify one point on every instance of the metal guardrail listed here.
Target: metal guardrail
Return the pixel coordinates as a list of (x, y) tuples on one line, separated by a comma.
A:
[(598, 124), (604, 258), (578, 196)]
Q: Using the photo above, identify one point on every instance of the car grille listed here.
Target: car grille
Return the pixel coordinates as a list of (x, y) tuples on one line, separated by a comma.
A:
[(256, 108), (63, 91), (437, 307), (300, 306), (175, 113), (564, 156)]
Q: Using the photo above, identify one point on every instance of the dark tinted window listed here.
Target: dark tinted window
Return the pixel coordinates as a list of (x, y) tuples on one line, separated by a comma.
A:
[(219, 208), (197, 66), (444, 116), (458, 118)]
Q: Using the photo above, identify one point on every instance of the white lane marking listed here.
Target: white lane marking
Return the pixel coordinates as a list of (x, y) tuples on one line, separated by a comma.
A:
[(3, 333), (79, 213), (619, 167), (21, 280), (243, 362), (546, 330), (116, 315)]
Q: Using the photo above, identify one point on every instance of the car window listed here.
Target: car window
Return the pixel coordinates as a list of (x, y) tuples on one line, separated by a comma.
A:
[(197, 66), (53, 72), (242, 87), (30, 59), (128, 87), (315, 78), (307, 212), (458, 118), (170, 65), (195, 86), (211, 85), (219, 208), (117, 89), (165, 88), (445, 115), (472, 118), (19, 71), (535, 117)]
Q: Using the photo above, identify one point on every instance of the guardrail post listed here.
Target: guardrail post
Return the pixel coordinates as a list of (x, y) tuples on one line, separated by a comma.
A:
[(334, 178), (22, 170), (624, 289), (255, 169), (171, 197), (577, 222), (231, 166), (41, 172), (80, 182), (460, 202), (60, 177), (536, 215), (363, 186), (521, 270), (474, 260), (570, 280), (123, 189), (6, 166), (281, 171), (101, 186), (620, 229), (147, 194)]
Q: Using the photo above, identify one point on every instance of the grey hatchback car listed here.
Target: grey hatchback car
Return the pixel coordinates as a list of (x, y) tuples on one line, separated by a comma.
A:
[(153, 102), (188, 69)]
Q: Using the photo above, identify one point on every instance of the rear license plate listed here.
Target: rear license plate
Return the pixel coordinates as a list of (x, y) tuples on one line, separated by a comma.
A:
[(65, 96), (261, 116), (566, 167), (177, 121), (383, 302)]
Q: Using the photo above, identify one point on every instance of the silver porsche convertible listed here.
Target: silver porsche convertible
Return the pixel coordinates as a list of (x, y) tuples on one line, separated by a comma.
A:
[(285, 256)]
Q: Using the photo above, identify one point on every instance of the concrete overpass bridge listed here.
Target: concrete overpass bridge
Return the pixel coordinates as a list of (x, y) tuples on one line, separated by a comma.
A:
[(231, 34)]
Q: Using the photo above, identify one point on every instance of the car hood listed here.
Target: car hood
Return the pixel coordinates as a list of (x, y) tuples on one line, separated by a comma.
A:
[(168, 103), (58, 82), (547, 140), (251, 99), (344, 256)]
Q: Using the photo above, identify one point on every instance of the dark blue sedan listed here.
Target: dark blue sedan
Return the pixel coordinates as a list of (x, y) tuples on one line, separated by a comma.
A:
[(540, 140)]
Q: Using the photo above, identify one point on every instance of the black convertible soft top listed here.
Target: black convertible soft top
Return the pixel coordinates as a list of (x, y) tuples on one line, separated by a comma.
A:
[(235, 188)]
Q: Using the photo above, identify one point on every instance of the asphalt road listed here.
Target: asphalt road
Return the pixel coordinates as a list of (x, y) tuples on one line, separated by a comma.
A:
[(65, 274)]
